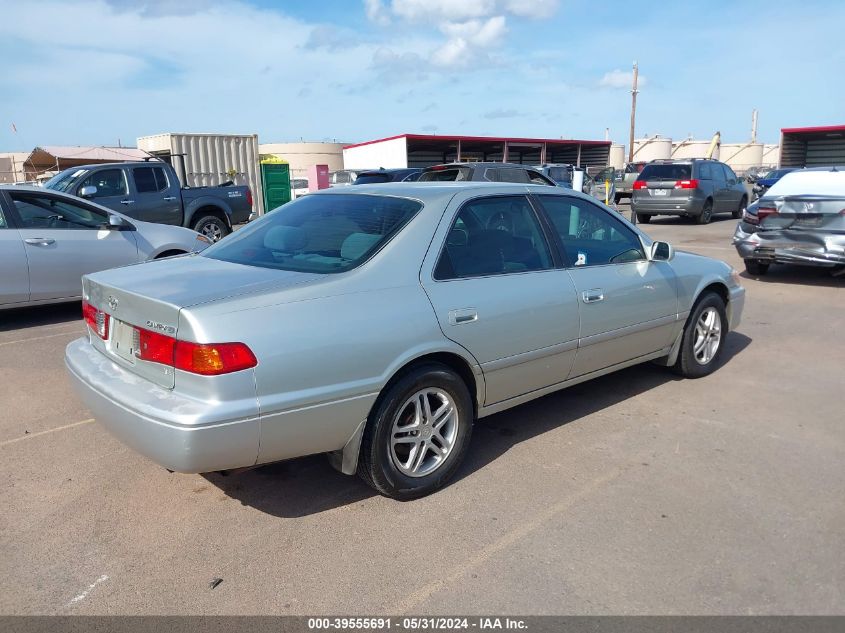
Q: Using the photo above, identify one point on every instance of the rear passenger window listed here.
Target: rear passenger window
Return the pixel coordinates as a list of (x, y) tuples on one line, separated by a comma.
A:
[(493, 236), (704, 172), (590, 235), (512, 174), (149, 179)]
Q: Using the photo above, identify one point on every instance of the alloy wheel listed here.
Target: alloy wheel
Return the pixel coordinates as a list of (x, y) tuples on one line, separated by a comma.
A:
[(708, 336), (424, 432)]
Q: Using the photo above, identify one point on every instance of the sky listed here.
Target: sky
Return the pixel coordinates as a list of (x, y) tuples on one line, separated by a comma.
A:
[(104, 72)]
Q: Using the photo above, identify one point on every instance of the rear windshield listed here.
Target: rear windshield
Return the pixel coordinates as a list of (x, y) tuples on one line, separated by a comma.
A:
[(560, 174), (318, 234), (366, 179), (665, 172), (441, 175)]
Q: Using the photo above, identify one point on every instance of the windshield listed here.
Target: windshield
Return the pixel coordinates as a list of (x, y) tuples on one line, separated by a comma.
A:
[(366, 179), (665, 172), (64, 180), (440, 175), (561, 175), (318, 234)]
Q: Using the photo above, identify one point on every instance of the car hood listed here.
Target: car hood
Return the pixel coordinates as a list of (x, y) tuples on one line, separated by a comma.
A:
[(193, 279)]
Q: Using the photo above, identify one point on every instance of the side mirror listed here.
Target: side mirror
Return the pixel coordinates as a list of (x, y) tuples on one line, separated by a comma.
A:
[(88, 191), (117, 223), (662, 252)]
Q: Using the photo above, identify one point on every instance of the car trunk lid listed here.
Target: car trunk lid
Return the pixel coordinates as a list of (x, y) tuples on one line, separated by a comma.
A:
[(152, 296)]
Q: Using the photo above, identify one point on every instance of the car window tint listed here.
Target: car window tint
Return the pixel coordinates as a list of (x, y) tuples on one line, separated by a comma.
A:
[(445, 175), (318, 234), (149, 179), (590, 235), (493, 236), (38, 211), (3, 223), (512, 174), (665, 171), (729, 173), (368, 179), (537, 178), (161, 178), (704, 172), (109, 182), (718, 173)]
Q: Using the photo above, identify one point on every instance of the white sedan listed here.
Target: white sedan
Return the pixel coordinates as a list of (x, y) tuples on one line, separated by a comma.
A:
[(48, 240)]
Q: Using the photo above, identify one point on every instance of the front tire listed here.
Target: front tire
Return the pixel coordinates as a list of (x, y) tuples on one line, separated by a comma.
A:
[(418, 433), (211, 227), (754, 267), (703, 340)]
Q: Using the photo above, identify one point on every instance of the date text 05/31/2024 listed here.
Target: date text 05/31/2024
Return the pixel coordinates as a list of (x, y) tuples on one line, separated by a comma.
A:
[(416, 623)]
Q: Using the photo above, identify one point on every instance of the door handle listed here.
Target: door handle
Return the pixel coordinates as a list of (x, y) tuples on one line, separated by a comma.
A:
[(169, 198), (40, 241), (592, 296), (464, 315), (127, 202)]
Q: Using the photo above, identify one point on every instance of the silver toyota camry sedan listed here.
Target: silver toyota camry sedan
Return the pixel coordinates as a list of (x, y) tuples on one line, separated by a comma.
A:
[(377, 323)]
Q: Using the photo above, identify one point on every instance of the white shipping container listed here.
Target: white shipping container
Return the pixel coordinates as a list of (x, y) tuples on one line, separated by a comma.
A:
[(211, 159)]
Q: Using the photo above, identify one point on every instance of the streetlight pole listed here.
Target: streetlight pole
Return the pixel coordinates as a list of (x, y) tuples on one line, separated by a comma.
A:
[(633, 115)]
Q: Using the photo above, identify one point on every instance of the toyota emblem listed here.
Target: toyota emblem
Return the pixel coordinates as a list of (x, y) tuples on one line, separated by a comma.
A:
[(113, 302)]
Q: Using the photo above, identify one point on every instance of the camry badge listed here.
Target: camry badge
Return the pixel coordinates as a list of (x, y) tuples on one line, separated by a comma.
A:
[(161, 327)]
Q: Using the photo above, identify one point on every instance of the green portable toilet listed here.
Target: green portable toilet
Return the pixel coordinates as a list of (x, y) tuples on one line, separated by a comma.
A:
[(275, 181)]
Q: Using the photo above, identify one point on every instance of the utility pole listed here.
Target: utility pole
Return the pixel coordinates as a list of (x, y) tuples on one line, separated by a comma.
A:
[(633, 115), (754, 126)]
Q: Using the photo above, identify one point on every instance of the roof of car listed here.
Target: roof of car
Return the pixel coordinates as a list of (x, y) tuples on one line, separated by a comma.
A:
[(488, 163)]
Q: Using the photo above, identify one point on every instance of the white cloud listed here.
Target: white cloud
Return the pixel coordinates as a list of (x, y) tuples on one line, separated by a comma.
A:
[(376, 12), (470, 26), (621, 79)]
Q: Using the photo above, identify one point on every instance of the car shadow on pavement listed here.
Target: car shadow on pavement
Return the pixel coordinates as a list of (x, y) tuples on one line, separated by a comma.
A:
[(19, 318), (804, 275), (309, 485)]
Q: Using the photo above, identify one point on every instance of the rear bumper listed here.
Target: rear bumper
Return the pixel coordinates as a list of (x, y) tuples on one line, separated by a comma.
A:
[(179, 433), (652, 205), (805, 248)]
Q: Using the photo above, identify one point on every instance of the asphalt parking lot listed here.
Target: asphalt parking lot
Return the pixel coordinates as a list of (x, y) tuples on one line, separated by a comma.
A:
[(637, 493)]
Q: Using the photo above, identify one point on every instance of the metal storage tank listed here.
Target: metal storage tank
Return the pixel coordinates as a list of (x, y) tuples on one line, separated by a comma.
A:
[(771, 153), (211, 159), (653, 148), (741, 156), (689, 148), (616, 159)]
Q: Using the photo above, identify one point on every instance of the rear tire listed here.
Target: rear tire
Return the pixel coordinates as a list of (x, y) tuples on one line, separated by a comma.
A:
[(643, 218), (417, 434), (755, 267), (739, 212), (211, 227), (706, 213), (704, 337)]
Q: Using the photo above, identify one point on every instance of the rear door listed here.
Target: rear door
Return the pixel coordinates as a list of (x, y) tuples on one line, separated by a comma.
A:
[(628, 304), (64, 240), (13, 266), (156, 198), (496, 291), (721, 194), (735, 189)]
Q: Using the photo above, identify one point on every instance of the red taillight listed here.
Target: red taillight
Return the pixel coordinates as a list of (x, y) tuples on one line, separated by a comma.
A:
[(213, 359), (692, 183), (206, 359), (249, 197), (155, 347), (96, 319), (640, 184), (766, 212)]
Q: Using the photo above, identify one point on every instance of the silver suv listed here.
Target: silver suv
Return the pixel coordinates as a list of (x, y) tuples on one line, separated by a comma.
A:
[(695, 188)]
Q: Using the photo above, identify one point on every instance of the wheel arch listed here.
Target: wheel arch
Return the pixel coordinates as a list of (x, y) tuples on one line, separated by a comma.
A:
[(208, 209), (345, 460)]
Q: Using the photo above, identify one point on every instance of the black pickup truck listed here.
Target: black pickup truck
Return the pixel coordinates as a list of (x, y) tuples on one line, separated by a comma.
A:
[(150, 191)]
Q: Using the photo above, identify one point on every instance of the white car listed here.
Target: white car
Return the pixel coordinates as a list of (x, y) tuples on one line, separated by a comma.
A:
[(48, 240)]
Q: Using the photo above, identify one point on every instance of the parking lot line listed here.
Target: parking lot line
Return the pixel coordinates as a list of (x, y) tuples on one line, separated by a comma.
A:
[(37, 338), (58, 428)]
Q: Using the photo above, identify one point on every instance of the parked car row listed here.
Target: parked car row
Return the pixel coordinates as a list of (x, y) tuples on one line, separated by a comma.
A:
[(49, 240)]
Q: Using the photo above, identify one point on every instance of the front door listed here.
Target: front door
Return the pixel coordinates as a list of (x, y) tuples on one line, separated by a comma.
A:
[(496, 293), (13, 268), (112, 189), (65, 240), (628, 304)]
